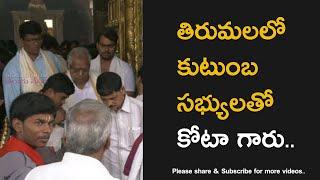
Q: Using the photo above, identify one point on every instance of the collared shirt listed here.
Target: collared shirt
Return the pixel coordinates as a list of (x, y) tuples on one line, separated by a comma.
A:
[(126, 127), (87, 92), (140, 97), (72, 166), (122, 68), (12, 78)]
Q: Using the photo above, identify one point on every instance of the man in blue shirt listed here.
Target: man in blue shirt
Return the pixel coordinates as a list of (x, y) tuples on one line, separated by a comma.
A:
[(30, 67)]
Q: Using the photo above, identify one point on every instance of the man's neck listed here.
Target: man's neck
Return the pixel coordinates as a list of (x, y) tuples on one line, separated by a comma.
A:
[(20, 138), (81, 85), (124, 98), (105, 60), (33, 57), (105, 65), (97, 155)]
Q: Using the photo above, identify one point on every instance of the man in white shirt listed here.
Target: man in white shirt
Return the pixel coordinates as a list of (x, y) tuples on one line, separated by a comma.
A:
[(127, 122), (107, 60), (79, 73), (87, 137)]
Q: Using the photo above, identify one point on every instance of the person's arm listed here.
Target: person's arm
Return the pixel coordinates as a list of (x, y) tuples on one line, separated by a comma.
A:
[(11, 86), (15, 166)]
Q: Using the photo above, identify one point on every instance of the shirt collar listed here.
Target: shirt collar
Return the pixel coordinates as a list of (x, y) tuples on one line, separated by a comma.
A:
[(113, 61), (86, 86), (39, 57), (126, 104), (90, 163), (69, 156)]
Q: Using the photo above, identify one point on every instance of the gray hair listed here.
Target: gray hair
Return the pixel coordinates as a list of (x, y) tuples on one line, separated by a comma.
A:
[(80, 51), (88, 125)]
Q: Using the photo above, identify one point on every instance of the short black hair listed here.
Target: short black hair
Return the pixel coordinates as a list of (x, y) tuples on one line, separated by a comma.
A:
[(49, 42), (107, 83), (109, 33), (59, 82), (65, 43), (29, 27), (29, 104), (92, 48), (75, 42)]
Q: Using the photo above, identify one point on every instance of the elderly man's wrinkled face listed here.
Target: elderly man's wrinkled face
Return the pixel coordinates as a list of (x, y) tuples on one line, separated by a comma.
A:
[(106, 48), (35, 130), (79, 69), (32, 44)]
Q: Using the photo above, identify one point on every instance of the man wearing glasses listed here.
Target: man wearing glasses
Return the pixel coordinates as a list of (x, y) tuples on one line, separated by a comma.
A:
[(107, 61), (30, 67)]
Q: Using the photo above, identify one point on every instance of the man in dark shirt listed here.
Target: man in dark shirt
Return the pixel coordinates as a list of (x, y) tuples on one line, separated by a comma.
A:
[(31, 118)]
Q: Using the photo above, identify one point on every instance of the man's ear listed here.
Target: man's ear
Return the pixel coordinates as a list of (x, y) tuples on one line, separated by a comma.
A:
[(123, 90), (22, 42), (49, 92), (107, 145), (97, 45), (17, 125)]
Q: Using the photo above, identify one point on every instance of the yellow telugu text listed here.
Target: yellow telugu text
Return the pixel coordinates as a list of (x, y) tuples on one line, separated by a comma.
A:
[(208, 103), (228, 32), (216, 68)]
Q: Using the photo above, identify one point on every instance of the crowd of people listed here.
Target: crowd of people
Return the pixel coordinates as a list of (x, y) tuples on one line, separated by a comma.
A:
[(73, 111)]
